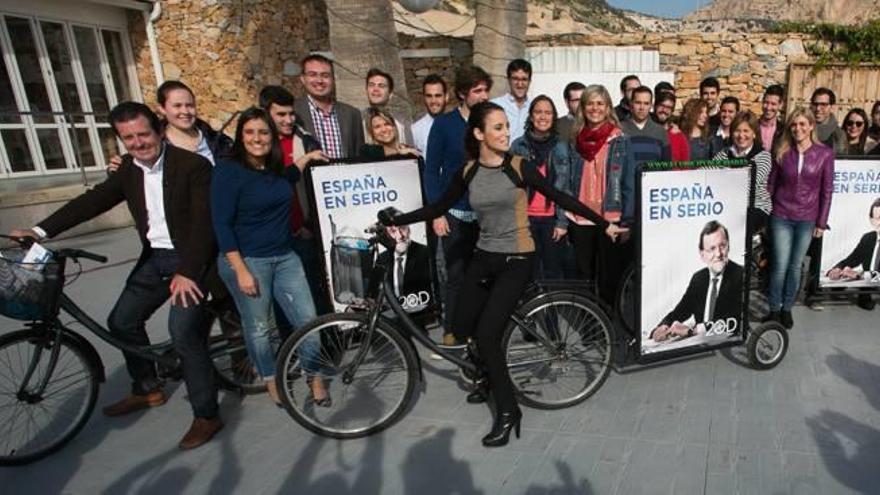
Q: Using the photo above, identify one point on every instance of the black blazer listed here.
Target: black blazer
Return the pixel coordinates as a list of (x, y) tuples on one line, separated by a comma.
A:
[(693, 302), (861, 255), (416, 272), (186, 183), (351, 127)]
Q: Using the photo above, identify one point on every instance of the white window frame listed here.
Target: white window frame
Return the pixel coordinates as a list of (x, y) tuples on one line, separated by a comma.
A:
[(61, 125)]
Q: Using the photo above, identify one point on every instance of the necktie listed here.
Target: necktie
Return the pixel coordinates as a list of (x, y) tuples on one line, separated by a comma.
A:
[(876, 267), (398, 271), (713, 296)]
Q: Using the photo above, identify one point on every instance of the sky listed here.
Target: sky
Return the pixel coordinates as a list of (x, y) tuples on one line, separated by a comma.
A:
[(665, 8)]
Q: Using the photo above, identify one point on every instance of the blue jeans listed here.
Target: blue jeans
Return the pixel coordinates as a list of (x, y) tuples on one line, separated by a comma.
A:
[(147, 289), (283, 280), (791, 238)]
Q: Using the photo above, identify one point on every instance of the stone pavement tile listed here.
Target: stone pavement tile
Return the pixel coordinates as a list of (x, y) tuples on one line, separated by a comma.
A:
[(606, 477), (757, 434), (721, 484), (615, 450), (662, 422), (695, 420), (649, 469), (598, 420), (586, 451)]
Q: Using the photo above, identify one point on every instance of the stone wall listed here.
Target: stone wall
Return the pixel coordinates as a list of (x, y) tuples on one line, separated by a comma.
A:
[(743, 63), (226, 50)]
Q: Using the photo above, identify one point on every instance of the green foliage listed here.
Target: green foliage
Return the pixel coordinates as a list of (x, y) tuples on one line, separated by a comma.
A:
[(837, 43)]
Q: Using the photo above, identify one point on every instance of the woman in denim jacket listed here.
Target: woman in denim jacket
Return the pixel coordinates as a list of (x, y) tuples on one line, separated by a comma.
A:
[(800, 185), (601, 174), (541, 149)]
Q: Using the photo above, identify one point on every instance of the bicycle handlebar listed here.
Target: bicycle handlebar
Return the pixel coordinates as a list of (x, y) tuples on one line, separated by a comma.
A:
[(26, 242)]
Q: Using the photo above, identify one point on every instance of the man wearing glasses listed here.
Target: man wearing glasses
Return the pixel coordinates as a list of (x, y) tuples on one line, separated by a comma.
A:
[(337, 126), (572, 94), (827, 129), (516, 101)]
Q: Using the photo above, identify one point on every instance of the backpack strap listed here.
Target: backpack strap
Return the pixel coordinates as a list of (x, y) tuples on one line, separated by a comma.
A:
[(470, 170), (513, 170)]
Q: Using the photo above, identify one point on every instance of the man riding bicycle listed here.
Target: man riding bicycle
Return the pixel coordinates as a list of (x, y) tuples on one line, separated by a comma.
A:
[(167, 192)]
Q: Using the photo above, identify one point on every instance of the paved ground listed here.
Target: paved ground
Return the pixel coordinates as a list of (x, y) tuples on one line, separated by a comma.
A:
[(705, 426)]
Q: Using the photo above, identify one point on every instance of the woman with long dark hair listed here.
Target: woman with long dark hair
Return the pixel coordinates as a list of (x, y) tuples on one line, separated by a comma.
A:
[(251, 194), (502, 263), (541, 149), (855, 126), (801, 186), (694, 124)]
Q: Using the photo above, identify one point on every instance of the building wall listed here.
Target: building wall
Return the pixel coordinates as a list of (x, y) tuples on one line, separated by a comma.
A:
[(227, 50), (743, 63)]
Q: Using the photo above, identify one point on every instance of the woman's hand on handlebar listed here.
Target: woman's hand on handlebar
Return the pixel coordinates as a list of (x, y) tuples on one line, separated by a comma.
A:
[(386, 215)]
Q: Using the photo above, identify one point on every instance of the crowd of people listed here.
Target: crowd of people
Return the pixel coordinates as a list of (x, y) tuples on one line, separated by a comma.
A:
[(557, 200)]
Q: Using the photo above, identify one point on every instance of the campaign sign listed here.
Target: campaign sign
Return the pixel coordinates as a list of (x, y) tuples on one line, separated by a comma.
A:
[(693, 247), (346, 198), (850, 248)]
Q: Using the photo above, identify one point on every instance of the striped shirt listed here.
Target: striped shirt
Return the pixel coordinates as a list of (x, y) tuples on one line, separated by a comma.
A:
[(327, 130)]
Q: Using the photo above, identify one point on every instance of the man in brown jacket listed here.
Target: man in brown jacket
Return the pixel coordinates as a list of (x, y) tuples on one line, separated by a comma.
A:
[(167, 191)]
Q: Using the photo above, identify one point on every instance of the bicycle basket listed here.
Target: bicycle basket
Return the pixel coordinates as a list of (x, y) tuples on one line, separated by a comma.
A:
[(28, 291)]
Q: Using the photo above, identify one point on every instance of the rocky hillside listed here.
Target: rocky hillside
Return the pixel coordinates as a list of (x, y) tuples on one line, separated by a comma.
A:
[(833, 11)]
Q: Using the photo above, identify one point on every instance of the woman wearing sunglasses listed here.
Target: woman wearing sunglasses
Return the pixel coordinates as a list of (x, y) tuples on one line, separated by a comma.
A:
[(855, 125)]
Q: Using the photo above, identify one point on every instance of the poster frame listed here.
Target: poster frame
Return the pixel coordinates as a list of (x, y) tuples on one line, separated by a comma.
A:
[(672, 167), (434, 309), (814, 291)]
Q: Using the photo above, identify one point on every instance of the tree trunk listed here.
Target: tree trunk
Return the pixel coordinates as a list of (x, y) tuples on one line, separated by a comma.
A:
[(499, 37), (363, 36)]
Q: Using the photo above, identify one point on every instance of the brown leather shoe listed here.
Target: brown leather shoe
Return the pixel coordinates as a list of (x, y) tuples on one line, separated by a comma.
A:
[(201, 431), (134, 403)]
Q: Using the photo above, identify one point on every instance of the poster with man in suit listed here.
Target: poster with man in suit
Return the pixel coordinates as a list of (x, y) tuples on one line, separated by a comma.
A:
[(850, 250), (410, 265), (693, 247), (712, 301)]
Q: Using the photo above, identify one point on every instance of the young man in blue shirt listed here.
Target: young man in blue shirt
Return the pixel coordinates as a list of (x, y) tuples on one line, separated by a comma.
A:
[(458, 229)]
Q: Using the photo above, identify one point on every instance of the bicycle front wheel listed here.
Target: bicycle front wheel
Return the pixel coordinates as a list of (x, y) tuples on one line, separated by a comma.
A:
[(366, 396), (561, 353), (34, 424)]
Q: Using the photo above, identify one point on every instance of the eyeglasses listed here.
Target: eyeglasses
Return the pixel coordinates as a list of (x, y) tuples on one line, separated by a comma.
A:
[(850, 123)]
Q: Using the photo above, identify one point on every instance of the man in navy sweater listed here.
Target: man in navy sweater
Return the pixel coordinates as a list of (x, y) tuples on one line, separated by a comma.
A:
[(445, 157)]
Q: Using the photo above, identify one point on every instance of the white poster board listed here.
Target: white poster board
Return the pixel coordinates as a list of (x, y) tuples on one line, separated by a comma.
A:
[(678, 208), (346, 199), (850, 245)]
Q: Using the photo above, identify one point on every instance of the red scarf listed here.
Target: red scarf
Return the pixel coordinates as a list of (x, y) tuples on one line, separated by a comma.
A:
[(590, 141)]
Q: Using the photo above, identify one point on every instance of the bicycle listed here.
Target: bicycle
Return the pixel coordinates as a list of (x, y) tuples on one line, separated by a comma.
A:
[(558, 346), (50, 374)]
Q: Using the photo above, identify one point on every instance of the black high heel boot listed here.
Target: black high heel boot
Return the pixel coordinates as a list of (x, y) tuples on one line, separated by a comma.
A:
[(500, 434), (481, 385)]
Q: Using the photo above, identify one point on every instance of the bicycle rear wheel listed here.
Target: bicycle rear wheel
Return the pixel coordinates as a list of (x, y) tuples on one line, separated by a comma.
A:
[(233, 365), (364, 401), (578, 359), (34, 425), (626, 300)]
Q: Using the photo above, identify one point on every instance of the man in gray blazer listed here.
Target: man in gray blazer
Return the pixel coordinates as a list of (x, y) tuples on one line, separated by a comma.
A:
[(337, 126)]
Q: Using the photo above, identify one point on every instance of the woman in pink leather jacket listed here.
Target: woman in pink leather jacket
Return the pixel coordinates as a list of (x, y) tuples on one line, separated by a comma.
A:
[(800, 185)]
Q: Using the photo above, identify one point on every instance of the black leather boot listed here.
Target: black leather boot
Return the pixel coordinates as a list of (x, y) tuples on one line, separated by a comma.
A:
[(500, 434)]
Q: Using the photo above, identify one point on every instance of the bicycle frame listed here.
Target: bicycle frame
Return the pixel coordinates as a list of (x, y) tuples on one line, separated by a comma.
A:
[(385, 294)]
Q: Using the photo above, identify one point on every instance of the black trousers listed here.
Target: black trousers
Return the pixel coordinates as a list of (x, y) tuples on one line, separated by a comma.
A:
[(491, 289), (586, 249), (147, 289), (458, 248)]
